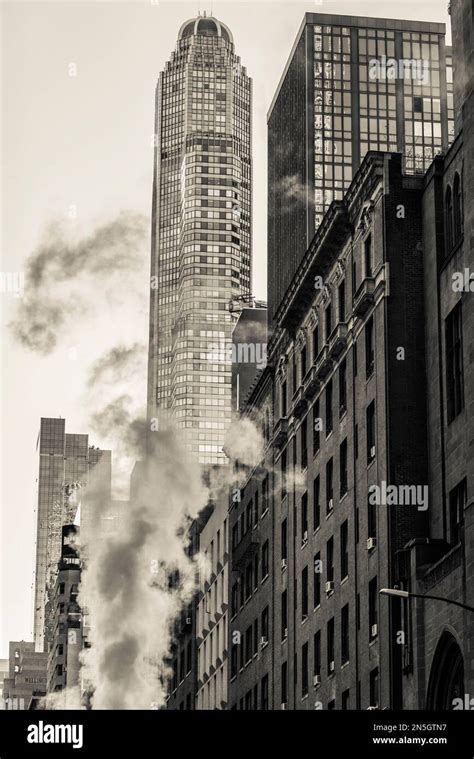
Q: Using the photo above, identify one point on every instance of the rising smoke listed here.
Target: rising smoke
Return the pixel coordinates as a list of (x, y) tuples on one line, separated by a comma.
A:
[(129, 605), (126, 582), (67, 280)]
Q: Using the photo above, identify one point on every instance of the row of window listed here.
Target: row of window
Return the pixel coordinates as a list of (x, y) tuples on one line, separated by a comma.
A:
[(343, 453), (301, 364), (248, 583), (249, 518), (184, 668), (454, 213), (250, 644)]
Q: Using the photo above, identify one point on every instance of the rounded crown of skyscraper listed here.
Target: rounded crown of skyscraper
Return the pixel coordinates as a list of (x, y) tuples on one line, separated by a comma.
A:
[(207, 26)]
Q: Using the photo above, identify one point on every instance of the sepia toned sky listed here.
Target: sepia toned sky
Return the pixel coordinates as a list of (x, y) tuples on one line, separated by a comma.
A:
[(85, 141)]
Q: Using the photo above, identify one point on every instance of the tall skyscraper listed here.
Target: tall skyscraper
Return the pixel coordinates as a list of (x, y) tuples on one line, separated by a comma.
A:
[(350, 85), (65, 461), (201, 230)]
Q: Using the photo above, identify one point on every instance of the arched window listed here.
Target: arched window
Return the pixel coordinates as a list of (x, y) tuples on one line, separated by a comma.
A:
[(457, 208), (446, 681), (449, 219)]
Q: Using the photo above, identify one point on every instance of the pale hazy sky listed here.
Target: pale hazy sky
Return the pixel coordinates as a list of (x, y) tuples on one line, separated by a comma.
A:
[(86, 140)]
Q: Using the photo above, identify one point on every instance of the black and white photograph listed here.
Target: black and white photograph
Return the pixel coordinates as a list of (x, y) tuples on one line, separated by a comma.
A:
[(237, 376)]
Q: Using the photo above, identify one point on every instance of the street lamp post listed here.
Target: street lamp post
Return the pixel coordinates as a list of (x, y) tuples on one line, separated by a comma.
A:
[(406, 594)]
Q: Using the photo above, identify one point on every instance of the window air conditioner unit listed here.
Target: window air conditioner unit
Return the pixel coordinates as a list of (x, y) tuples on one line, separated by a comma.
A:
[(371, 543), (331, 666), (317, 680), (372, 452), (330, 504), (285, 633), (373, 631), (263, 641), (305, 536), (188, 620), (329, 586), (283, 563), (283, 706)]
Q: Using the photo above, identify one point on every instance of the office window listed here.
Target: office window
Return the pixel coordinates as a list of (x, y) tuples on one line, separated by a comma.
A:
[(265, 560), (368, 256), (233, 660), (248, 644), (264, 625), (248, 516), (248, 581), (342, 387), (317, 653), (328, 321), (264, 694), (330, 645), (374, 687), (315, 342), (449, 219), (284, 683), (342, 300), (265, 495), (284, 399), (235, 535), (294, 373), (345, 700), (354, 277), (316, 502), (343, 486), (329, 486), (304, 518), (304, 444), (329, 407), (303, 362), (454, 363), (369, 348), (255, 696), (248, 700), (317, 581), (284, 614), (175, 674), (316, 428), (330, 560), (255, 636), (457, 504), (255, 571), (457, 209), (182, 664), (344, 547), (373, 616), (304, 594), (371, 519), (345, 634), (304, 670), (370, 432), (284, 465), (284, 540), (255, 509)]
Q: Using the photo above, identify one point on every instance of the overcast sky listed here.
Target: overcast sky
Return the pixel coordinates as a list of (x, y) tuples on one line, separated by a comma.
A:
[(85, 141)]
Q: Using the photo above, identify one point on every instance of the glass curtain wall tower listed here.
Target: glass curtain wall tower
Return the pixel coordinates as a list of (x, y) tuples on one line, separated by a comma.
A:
[(201, 232), (350, 85)]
